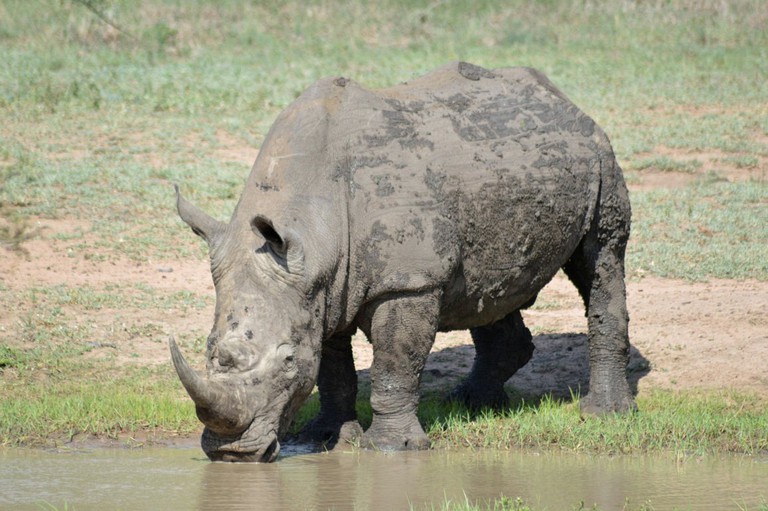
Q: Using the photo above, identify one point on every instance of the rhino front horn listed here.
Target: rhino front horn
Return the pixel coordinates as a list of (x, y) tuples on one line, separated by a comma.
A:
[(223, 408)]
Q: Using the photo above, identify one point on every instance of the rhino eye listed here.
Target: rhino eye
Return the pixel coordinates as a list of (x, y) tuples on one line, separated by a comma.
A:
[(288, 354)]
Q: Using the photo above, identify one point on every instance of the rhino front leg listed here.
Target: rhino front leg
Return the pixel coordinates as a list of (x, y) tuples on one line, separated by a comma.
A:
[(337, 384), (402, 331), (500, 350)]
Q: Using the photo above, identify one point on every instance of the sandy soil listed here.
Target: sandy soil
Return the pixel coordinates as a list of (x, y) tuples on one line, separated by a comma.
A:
[(711, 335)]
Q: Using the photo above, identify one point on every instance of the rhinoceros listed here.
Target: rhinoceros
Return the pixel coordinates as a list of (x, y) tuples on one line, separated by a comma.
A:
[(443, 203)]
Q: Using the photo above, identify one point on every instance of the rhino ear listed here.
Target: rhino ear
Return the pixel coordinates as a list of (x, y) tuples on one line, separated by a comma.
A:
[(201, 223), (263, 226), (286, 247)]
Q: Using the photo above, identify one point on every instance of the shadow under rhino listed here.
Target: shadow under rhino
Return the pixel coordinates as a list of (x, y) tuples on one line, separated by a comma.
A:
[(559, 367)]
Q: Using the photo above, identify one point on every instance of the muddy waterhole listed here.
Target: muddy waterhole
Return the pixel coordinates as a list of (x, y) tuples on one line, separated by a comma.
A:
[(181, 478)]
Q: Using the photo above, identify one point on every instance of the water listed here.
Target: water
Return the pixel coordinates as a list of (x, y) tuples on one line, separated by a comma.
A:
[(181, 478)]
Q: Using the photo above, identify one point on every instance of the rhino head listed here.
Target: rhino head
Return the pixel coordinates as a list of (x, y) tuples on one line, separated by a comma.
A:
[(263, 351)]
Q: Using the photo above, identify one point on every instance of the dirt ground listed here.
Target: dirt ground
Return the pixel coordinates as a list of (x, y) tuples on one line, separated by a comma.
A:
[(711, 335)]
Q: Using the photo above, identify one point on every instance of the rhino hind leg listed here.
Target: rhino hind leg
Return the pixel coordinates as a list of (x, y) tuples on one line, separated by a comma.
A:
[(402, 330), (597, 270), (337, 385), (500, 350)]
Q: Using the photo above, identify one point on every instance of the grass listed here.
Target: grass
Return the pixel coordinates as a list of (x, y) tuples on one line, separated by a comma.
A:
[(101, 406), (679, 424), (684, 424), (15, 233), (53, 392), (61, 374), (715, 229), (108, 296), (99, 122), (43, 403), (517, 504), (500, 504), (666, 164)]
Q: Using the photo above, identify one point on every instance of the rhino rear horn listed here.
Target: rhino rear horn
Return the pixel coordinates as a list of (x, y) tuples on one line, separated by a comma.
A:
[(200, 222)]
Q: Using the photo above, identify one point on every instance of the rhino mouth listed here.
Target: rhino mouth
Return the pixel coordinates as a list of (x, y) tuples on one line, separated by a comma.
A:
[(264, 449)]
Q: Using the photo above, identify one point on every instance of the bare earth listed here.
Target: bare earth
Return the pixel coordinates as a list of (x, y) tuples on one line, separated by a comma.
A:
[(711, 335)]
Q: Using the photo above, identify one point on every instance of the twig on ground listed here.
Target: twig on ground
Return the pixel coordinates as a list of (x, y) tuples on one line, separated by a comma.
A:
[(90, 5)]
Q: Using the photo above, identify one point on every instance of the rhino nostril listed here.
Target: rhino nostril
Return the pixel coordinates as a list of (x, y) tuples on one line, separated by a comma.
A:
[(235, 352), (249, 334), (228, 353), (225, 358)]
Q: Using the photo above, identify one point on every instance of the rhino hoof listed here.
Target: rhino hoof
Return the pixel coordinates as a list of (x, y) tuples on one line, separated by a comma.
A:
[(592, 405), (350, 432), (395, 437)]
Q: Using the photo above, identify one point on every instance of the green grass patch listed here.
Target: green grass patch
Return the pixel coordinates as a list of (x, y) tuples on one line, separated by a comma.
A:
[(742, 161), (679, 424), (56, 408), (500, 504), (111, 296), (504, 503), (44, 401), (686, 423), (727, 129), (707, 230), (665, 164)]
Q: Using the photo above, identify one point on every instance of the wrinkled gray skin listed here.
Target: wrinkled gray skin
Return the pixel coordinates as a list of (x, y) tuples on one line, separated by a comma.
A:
[(441, 204)]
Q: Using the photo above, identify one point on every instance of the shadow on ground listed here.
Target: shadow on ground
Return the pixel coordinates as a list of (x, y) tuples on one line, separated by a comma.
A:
[(559, 367)]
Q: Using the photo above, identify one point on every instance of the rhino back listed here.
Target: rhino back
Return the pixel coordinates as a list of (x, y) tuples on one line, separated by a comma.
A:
[(480, 183)]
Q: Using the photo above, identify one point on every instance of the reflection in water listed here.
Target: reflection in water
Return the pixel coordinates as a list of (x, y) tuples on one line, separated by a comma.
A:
[(168, 478)]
